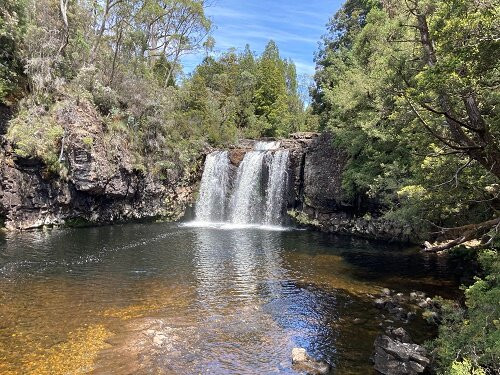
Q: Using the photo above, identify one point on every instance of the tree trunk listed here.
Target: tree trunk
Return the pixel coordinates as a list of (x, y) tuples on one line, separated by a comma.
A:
[(483, 148), (115, 55), (100, 33), (63, 7), (460, 235)]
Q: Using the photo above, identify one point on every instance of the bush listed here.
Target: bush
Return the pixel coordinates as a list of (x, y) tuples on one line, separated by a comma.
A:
[(469, 338), (36, 134), (465, 368), (105, 99)]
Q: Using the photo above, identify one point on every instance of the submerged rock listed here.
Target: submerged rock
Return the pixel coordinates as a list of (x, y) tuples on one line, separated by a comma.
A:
[(395, 354), (303, 362), (400, 306)]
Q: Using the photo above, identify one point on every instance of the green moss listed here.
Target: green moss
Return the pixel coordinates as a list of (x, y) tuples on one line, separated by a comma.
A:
[(78, 222)]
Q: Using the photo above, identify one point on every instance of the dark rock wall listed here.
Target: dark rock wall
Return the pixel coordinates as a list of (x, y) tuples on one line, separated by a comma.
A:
[(317, 197), (102, 186), (323, 168), (5, 115), (99, 184)]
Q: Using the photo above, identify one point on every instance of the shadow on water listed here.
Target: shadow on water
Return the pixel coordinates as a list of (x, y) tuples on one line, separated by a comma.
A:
[(164, 298)]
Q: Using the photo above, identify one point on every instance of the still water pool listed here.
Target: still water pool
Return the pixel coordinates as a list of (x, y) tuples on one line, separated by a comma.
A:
[(175, 299)]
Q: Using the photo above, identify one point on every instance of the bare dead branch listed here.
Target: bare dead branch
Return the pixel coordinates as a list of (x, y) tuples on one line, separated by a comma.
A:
[(463, 234)]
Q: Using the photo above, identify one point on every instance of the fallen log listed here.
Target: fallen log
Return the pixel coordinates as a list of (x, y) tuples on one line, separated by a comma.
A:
[(460, 235)]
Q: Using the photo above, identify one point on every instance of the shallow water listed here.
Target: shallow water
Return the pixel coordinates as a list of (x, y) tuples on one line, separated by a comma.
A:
[(177, 299)]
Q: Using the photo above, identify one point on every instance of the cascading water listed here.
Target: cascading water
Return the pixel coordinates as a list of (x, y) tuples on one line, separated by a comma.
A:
[(247, 199), (259, 192), (211, 205), (276, 188), (266, 146)]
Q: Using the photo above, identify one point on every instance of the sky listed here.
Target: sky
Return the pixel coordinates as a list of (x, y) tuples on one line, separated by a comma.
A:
[(295, 25)]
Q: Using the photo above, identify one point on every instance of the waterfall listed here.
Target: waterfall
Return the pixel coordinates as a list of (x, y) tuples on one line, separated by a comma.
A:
[(247, 199), (260, 187), (276, 188), (266, 146), (211, 205)]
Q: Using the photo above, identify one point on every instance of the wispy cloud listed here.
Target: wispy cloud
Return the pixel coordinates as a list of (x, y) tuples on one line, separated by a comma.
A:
[(222, 12), (296, 26), (305, 67)]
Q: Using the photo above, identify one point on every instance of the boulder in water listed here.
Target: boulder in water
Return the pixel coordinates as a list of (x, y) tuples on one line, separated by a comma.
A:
[(395, 354), (303, 362)]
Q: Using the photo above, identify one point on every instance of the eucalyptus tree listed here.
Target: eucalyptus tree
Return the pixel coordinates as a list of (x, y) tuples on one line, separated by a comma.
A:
[(150, 30)]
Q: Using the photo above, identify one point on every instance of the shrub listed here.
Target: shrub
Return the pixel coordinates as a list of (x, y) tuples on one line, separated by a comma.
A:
[(36, 134), (469, 338), (465, 368)]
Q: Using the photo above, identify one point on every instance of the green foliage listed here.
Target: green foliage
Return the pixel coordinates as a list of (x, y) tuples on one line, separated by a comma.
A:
[(372, 76), (270, 97), (36, 134), (88, 141), (470, 338), (465, 368), (240, 95), (12, 29), (123, 58)]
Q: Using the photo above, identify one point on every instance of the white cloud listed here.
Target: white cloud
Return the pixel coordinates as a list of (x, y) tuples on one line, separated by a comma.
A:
[(296, 26)]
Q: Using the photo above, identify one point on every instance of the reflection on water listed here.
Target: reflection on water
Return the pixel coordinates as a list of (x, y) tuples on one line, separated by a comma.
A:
[(169, 299)]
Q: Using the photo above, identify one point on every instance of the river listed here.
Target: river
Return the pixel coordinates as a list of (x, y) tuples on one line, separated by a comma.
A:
[(158, 298)]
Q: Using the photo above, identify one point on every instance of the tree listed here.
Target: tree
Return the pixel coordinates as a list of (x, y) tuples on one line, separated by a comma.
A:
[(12, 29), (457, 74), (406, 88), (270, 98)]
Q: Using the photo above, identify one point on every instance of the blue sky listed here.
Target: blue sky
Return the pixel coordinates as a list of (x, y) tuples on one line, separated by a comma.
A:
[(295, 25)]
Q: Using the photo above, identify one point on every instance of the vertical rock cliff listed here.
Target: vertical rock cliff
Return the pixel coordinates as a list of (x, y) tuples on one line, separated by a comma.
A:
[(101, 185), (99, 182)]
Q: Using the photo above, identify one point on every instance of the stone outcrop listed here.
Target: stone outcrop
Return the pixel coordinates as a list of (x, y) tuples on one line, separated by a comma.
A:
[(317, 197), (99, 185), (395, 354)]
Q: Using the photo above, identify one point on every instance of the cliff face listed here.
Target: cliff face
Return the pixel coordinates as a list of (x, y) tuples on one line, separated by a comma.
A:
[(318, 199), (99, 184)]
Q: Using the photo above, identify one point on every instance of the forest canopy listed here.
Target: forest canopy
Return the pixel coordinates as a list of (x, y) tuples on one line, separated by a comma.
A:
[(411, 90), (124, 58)]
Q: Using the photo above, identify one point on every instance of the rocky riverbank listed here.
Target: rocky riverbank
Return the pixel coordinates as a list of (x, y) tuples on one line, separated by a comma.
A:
[(101, 184), (98, 182)]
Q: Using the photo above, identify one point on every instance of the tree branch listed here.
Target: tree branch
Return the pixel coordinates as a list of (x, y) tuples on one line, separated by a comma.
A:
[(434, 133), (448, 116), (466, 233)]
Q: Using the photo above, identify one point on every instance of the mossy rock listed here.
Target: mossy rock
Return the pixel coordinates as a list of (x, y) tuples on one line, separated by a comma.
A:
[(78, 222)]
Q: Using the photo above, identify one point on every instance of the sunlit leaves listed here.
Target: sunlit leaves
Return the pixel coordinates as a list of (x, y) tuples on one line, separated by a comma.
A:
[(371, 82)]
